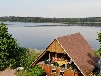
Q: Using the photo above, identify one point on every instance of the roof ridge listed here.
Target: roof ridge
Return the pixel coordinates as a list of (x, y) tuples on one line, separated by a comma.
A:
[(67, 35)]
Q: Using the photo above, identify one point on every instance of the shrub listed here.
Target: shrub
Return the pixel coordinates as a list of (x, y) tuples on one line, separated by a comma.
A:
[(35, 71), (26, 62)]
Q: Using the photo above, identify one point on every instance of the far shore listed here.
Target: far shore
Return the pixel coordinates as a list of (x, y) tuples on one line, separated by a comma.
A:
[(98, 24)]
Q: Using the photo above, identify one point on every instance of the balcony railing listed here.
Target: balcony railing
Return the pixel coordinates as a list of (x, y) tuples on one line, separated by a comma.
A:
[(58, 71)]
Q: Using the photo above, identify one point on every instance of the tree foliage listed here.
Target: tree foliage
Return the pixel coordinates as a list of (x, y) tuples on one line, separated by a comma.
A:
[(12, 55), (30, 57), (52, 20), (10, 51), (35, 71), (26, 62), (98, 51), (9, 48)]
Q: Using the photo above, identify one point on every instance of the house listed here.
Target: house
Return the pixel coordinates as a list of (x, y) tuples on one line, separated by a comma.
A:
[(71, 51)]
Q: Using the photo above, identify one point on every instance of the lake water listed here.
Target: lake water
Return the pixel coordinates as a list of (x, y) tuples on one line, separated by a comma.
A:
[(40, 37)]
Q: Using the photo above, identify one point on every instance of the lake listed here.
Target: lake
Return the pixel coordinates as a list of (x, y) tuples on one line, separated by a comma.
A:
[(33, 35)]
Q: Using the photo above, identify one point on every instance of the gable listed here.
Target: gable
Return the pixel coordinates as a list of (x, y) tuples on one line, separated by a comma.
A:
[(55, 47)]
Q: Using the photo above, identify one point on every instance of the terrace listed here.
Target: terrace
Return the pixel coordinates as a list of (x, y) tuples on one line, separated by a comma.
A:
[(58, 64)]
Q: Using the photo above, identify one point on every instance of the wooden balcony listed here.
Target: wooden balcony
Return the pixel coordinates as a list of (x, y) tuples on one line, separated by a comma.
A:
[(58, 64), (58, 71)]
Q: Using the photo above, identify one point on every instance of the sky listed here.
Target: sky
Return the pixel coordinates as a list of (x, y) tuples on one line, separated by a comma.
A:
[(51, 8)]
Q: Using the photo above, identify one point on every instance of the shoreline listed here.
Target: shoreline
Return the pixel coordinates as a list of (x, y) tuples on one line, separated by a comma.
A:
[(96, 24)]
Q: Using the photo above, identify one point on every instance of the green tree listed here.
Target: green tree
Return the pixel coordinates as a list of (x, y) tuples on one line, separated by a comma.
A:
[(12, 55), (9, 49), (98, 51)]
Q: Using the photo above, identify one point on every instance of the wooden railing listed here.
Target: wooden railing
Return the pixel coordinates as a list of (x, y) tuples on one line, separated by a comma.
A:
[(69, 72), (66, 72)]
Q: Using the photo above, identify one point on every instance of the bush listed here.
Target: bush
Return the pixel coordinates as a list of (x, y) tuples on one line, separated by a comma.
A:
[(35, 71), (32, 71), (29, 56), (26, 63)]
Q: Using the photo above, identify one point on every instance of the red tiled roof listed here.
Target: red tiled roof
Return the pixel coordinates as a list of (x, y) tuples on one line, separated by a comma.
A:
[(79, 51)]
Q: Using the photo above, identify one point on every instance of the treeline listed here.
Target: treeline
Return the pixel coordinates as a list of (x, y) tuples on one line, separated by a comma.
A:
[(52, 20)]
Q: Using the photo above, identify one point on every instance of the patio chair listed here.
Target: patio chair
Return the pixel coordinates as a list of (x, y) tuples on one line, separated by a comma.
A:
[(66, 72), (57, 72), (50, 73)]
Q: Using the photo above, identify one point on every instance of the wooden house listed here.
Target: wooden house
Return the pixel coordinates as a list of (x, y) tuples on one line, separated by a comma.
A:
[(71, 53)]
